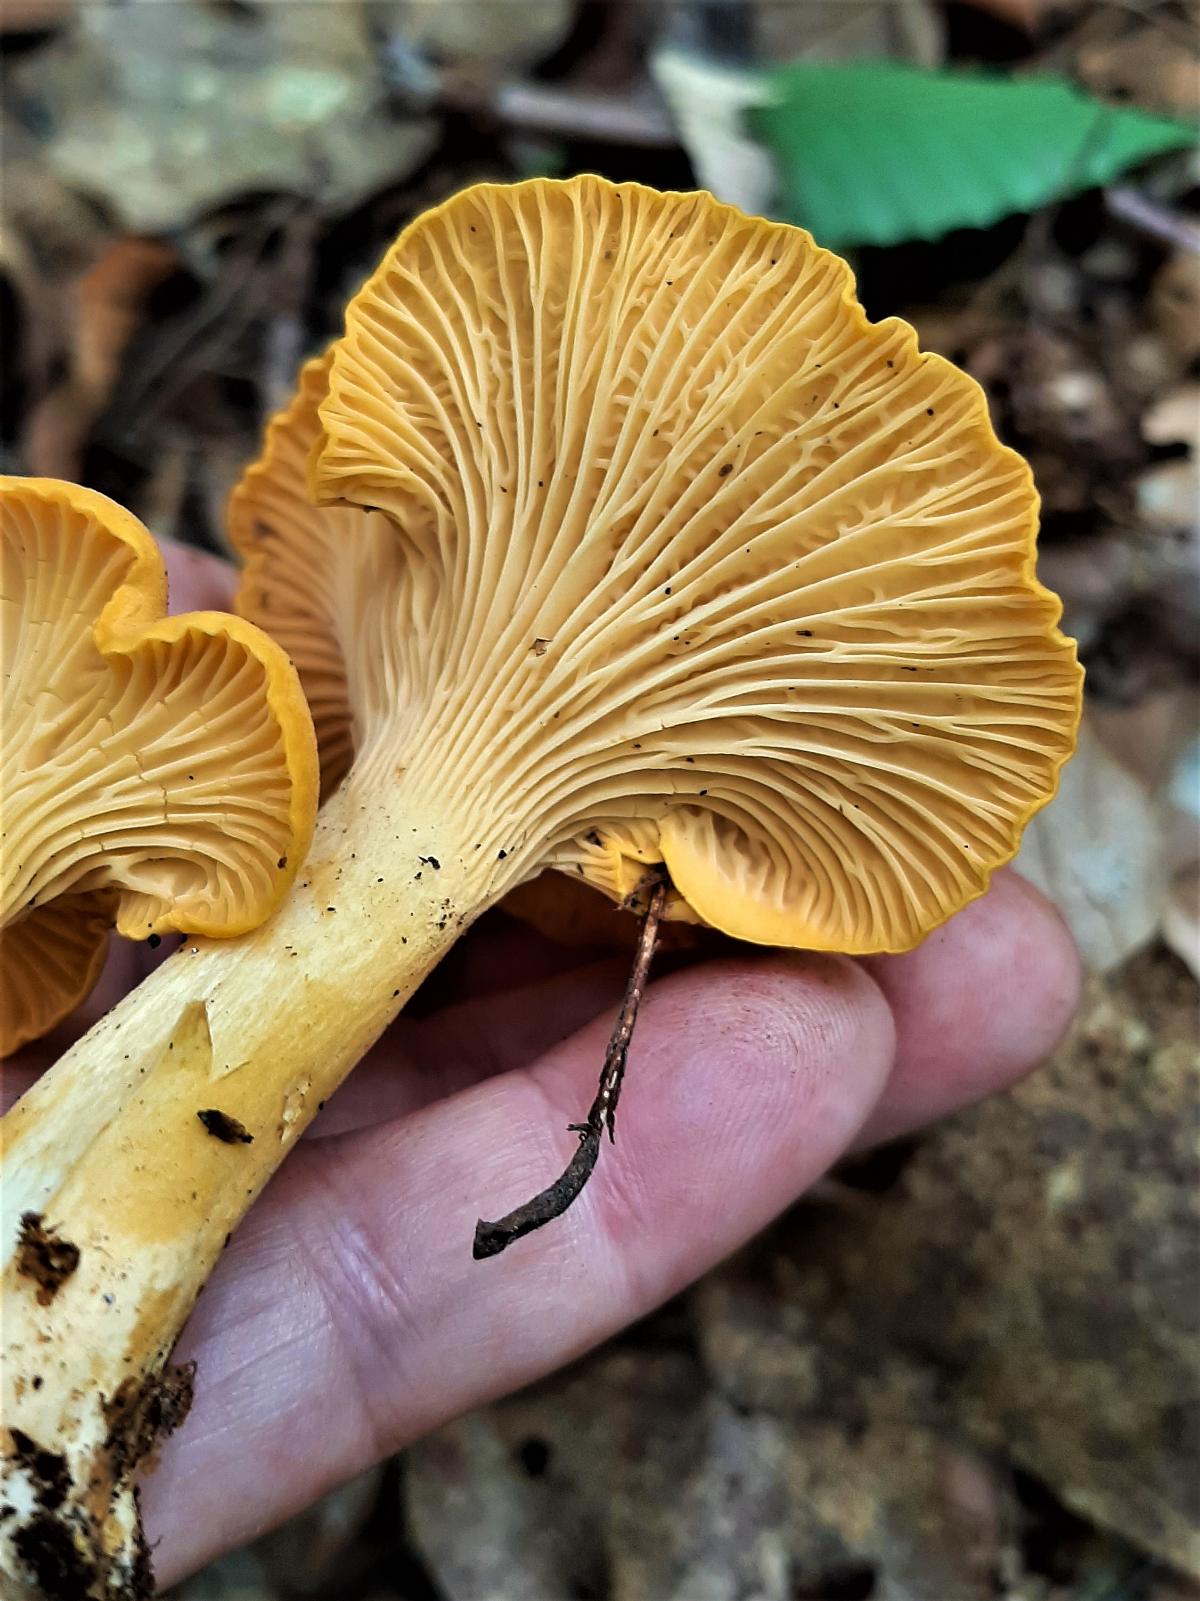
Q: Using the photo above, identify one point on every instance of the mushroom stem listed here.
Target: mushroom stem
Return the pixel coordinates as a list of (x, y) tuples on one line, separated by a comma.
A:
[(112, 1171)]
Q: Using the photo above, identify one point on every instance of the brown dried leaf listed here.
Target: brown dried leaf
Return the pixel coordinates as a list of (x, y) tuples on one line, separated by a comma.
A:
[(1152, 67), (1175, 304), (198, 104), (1181, 921)]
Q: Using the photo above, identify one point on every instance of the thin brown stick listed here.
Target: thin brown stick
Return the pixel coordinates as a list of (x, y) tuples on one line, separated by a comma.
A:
[(492, 1238)]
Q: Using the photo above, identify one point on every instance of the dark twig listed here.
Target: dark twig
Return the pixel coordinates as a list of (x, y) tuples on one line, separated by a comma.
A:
[(492, 1238)]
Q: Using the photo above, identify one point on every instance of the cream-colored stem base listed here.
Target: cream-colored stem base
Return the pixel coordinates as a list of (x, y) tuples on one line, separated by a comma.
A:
[(107, 1157)]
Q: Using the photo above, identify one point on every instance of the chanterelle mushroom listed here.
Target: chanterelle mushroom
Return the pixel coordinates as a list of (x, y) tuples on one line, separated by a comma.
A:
[(659, 552), (157, 772)]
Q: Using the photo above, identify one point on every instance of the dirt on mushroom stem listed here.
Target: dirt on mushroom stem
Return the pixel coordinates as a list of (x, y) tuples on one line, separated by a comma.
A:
[(108, 1145)]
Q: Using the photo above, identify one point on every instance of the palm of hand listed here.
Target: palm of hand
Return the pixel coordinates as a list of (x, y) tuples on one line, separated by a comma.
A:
[(348, 1316)]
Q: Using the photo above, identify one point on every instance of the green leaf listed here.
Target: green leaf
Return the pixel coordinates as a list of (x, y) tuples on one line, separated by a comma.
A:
[(876, 152)]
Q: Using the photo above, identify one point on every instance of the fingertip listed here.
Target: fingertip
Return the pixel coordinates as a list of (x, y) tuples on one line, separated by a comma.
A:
[(749, 1077), (1051, 971), (196, 580), (803, 1024), (1022, 951), (977, 1005)]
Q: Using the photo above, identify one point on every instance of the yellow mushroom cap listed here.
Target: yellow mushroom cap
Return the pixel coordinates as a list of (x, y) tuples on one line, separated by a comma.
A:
[(159, 772), (682, 559)]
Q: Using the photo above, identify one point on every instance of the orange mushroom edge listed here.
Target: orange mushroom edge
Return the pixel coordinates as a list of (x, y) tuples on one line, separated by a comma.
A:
[(159, 773)]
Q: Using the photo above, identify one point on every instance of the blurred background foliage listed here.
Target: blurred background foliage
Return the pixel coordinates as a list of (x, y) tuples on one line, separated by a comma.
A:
[(969, 1366)]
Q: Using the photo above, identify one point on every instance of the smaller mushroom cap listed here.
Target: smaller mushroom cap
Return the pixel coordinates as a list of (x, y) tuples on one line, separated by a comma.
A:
[(158, 772)]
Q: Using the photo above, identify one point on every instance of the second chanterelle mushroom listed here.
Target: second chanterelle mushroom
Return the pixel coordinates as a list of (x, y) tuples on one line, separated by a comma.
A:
[(610, 535), (159, 773)]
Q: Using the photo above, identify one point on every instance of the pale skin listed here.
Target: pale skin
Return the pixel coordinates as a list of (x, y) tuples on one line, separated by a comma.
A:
[(347, 1317)]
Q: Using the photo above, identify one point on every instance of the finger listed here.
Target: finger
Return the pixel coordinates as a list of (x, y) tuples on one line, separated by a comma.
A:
[(348, 1316), (977, 1005), (423, 1061), (428, 1053), (981, 1001), (498, 952), (197, 581)]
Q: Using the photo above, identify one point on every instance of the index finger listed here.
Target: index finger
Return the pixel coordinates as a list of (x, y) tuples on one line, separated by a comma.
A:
[(197, 581)]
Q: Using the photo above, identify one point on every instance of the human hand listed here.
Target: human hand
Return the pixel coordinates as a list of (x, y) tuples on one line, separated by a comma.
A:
[(348, 1317)]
